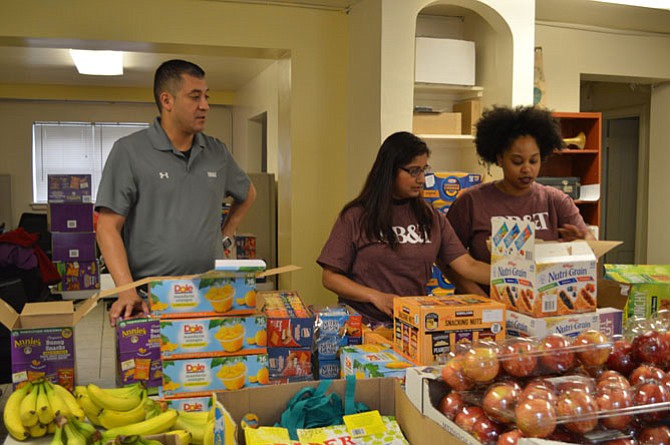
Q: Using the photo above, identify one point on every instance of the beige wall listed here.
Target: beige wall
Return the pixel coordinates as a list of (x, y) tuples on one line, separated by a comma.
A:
[(315, 130)]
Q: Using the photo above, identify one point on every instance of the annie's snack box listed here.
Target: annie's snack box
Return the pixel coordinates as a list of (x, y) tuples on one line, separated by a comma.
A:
[(646, 287), (73, 246), (42, 339), (370, 361), (70, 217), (228, 289), (69, 188), (200, 376), (138, 357), (442, 188), (213, 336), (542, 279), (78, 275), (290, 322), (428, 328)]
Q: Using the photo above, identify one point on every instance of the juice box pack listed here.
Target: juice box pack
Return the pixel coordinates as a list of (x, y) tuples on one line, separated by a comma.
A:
[(213, 336), (200, 376), (229, 289), (290, 322), (371, 361), (646, 286), (427, 328), (138, 356)]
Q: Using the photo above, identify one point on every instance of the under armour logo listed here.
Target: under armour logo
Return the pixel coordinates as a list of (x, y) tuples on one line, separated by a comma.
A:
[(163, 175)]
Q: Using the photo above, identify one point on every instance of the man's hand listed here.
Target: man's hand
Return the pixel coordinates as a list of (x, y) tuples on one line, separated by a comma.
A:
[(128, 303), (570, 232), (384, 302)]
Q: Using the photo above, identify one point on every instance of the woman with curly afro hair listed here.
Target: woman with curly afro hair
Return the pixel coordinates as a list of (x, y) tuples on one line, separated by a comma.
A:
[(517, 140)]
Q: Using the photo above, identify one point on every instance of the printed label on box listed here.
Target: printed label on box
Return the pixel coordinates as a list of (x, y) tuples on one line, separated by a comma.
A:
[(43, 353)]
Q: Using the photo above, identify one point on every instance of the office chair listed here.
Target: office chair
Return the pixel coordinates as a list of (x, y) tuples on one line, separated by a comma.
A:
[(37, 223)]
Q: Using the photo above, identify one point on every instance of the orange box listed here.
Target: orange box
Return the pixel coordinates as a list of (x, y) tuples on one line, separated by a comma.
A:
[(427, 328)]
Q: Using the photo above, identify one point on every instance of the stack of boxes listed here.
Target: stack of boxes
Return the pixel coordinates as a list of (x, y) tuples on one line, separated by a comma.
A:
[(547, 287), (212, 337), (334, 327), (290, 336), (70, 216)]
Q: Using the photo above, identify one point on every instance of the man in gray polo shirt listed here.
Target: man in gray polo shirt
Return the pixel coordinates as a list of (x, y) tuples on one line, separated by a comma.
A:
[(162, 188)]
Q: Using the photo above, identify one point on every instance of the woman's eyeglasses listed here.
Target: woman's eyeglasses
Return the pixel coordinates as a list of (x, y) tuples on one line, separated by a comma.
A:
[(416, 171)]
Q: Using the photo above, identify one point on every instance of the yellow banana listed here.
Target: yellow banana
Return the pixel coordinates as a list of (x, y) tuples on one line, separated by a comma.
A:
[(193, 422), (91, 434), (70, 401), (113, 419), (125, 391), (183, 435), (45, 413), (91, 410), (107, 400), (72, 435), (156, 425), (52, 427), (58, 437), (27, 410), (37, 430), (58, 405), (11, 415), (208, 438)]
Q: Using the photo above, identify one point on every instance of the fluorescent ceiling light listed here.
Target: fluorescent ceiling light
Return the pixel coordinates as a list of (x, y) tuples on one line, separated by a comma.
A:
[(658, 4), (101, 63)]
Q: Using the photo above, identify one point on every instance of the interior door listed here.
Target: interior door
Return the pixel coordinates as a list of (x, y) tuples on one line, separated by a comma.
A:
[(621, 164)]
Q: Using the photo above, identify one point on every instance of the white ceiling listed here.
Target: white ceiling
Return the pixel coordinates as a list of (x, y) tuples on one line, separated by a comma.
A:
[(48, 62)]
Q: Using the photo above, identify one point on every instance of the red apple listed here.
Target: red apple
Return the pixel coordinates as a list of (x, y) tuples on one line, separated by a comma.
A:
[(621, 358), (481, 364), (467, 417), (539, 389), (654, 435), (535, 417), (499, 402), (612, 378), (486, 430), (452, 374), (614, 398), (510, 437), (649, 393), (575, 382), (451, 404), (575, 405), (519, 357), (645, 373), (555, 354), (594, 348), (651, 347)]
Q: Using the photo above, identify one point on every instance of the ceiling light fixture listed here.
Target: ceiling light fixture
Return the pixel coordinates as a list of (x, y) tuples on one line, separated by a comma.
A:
[(99, 63), (657, 4)]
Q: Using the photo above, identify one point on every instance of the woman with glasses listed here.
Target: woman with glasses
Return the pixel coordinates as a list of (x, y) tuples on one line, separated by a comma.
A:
[(385, 241), (516, 140)]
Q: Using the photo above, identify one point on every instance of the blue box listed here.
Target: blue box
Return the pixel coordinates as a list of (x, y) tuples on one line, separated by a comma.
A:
[(328, 369)]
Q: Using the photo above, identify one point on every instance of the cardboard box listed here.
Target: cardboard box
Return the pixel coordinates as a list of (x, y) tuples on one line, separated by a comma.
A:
[(290, 322), (445, 61), (73, 246), (436, 123), (612, 294), (294, 364), (382, 336), (428, 328), (42, 339), (646, 287), (190, 404), (78, 275), (70, 217), (69, 188), (138, 352), (543, 279), (201, 376), (442, 188), (522, 325), (471, 111), (371, 361), (213, 336), (384, 395)]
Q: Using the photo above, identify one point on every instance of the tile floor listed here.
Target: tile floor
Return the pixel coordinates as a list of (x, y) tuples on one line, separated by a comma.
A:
[(94, 343)]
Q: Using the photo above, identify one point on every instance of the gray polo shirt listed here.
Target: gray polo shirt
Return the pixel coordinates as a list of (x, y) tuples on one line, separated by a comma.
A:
[(172, 205)]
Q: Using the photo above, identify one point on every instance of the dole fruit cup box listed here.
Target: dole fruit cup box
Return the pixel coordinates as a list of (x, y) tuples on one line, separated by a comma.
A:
[(542, 279), (42, 340), (213, 336), (138, 354), (228, 289), (200, 376), (427, 328)]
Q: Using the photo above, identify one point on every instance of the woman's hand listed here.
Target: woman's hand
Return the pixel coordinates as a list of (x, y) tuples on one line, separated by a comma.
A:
[(570, 232), (383, 302)]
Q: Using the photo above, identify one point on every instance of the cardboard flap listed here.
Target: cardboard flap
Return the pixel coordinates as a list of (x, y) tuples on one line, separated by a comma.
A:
[(601, 247), (8, 316), (563, 252), (278, 270), (48, 308), (85, 307)]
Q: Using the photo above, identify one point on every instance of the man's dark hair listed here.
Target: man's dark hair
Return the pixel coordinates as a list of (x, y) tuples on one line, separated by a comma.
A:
[(168, 77)]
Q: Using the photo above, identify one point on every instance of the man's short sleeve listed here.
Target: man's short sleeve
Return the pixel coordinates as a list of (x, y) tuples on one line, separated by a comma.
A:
[(117, 190)]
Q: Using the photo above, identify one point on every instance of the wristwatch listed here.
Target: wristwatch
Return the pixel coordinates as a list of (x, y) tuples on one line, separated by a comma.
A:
[(227, 242)]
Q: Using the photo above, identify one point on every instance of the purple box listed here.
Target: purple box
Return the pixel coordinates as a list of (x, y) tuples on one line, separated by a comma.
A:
[(138, 352), (73, 246), (69, 188), (70, 217), (611, 321), (78, 275)]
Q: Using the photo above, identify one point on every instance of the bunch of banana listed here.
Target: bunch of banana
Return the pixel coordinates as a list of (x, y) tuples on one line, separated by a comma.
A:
[(72, 431), (184, 436), (195, 423), (31, 410), (114, 407), (135, 440), (155, 425)]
